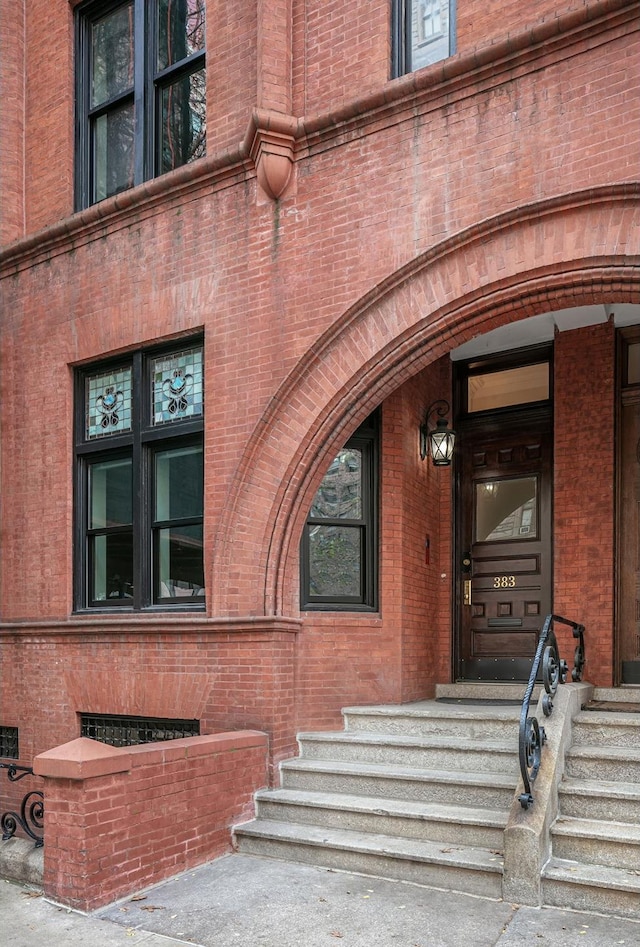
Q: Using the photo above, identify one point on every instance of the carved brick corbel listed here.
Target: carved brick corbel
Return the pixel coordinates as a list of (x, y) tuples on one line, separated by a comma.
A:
[(271, 150)]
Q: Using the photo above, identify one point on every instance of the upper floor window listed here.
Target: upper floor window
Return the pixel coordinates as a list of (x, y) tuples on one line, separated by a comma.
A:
[(139, 480), (140, 92), (424, 33)]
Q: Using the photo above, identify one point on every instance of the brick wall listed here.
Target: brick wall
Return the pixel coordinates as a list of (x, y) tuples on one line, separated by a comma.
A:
[(118, 819), (423, 212), (226, 680), (584, 493)]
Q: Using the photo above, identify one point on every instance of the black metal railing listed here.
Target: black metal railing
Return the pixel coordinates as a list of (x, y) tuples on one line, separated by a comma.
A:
[(31, 815), (554, 672)]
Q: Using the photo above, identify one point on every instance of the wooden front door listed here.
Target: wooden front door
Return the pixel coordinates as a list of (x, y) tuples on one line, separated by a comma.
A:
[(504, 542), (628, 623)]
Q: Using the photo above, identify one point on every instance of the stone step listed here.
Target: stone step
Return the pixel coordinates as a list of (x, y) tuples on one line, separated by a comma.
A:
[(430, 717), (600, 799), (486, 691), (412, 820), (434, 752), (627, 693), (493, 791), (608, 763), (580, 887), (459, 868), (590, 841), (596, 728)]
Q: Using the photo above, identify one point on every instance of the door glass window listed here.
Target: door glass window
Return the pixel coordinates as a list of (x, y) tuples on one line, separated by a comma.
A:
[(511, 386), (506, 509), (633, 363)]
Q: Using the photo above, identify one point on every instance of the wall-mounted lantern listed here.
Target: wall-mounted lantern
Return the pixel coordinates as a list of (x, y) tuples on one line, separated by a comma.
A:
[(438, 440)]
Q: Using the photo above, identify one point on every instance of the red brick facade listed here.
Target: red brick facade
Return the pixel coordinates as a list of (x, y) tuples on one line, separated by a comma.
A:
[(420, 213), (119, 818)]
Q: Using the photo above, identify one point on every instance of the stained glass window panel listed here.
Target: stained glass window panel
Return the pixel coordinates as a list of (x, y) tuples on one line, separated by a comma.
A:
[(177, 386), (108, 403)]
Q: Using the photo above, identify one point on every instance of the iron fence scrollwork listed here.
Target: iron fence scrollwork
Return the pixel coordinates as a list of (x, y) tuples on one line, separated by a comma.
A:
[(554, 671), (31, 815)]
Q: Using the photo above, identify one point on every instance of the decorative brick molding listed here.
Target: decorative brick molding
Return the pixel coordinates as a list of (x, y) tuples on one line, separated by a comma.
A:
[(271, 150), (118, 819)]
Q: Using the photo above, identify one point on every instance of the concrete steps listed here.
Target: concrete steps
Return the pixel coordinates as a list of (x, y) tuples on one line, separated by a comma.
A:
[(493, 791), (595, 862), (418, 793), (399, 818), (473, 870)]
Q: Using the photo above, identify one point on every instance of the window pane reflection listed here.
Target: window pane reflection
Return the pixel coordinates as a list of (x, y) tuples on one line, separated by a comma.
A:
[(113, 152), (110, 494), (179, 483), (112, 566), (511, 386), (184, 123), (112, 55), (180, 568), (633, 364), (180, 30), (506, 509), (340, 493), (335, 560)]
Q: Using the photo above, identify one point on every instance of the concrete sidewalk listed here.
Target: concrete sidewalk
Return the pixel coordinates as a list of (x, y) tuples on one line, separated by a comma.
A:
[(257, 902)]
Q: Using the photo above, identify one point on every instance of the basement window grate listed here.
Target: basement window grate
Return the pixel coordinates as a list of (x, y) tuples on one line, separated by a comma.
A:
[(9, 743), (119, 730)]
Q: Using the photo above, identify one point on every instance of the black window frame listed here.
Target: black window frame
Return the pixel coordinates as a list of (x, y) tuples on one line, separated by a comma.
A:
[(401, 45), (145, 94), (367, 440), (142, 444)]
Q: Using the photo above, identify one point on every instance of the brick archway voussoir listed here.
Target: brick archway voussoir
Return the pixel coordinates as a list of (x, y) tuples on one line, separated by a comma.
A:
[(580, 249)]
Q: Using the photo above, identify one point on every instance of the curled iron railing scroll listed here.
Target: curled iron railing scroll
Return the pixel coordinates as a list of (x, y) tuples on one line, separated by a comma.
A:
[(554, 672), (31, 815)]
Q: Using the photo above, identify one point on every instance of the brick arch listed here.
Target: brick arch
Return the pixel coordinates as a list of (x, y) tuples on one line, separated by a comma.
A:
[(575, 250)]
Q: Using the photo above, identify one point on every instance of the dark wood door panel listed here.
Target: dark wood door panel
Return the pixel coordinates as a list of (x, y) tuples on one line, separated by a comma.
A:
[(628, 624), (505, 509)]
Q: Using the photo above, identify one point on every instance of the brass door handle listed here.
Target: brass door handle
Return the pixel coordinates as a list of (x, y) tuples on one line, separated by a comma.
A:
[(466, 592)]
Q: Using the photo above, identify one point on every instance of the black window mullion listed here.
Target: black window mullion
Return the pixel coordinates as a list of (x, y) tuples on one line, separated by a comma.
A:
[(140, 481), (142, 166), (82, 129), (185, 67)]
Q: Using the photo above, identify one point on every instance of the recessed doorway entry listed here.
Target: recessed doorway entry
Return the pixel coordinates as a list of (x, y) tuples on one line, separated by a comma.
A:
[(504, 516)]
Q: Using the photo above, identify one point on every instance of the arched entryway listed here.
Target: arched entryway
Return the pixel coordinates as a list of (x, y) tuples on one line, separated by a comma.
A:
[(556, 255)]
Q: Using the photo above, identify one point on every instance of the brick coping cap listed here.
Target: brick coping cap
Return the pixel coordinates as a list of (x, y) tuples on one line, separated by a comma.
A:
[(84, 758)]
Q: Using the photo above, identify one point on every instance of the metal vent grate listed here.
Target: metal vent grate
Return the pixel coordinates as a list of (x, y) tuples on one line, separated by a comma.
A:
[(9, 743), (119, 730)]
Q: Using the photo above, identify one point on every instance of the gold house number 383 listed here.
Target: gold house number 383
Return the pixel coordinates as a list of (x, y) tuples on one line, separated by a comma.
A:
[(504, 581)]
